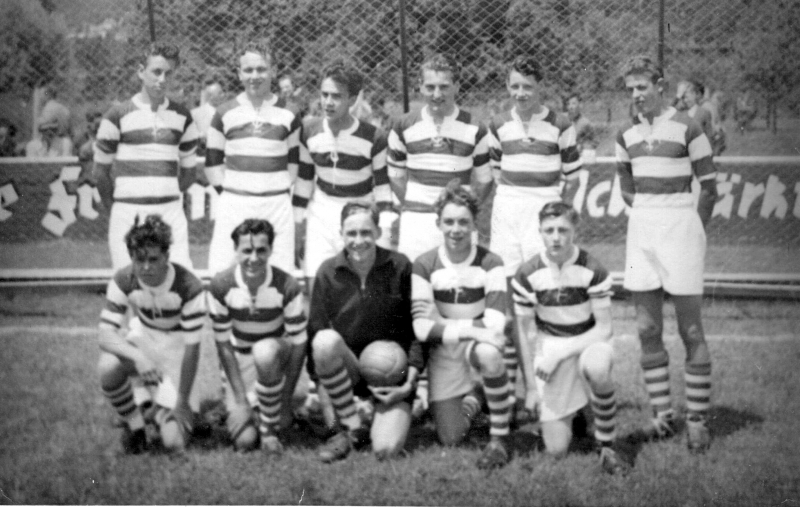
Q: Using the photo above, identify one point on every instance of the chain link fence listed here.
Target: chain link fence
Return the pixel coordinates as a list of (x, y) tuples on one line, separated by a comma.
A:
[(89, 48)]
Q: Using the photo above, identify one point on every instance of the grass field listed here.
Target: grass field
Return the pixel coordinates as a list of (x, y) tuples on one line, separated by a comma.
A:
[(59, 446)]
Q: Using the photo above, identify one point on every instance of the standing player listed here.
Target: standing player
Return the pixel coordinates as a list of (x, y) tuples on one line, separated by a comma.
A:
[(458, 293), (658, 155), (568, 292), (252, 160), (345, 157), (428, 148), (258, 309), (361, 295), (532, 151), (145, 157), (162, 348)]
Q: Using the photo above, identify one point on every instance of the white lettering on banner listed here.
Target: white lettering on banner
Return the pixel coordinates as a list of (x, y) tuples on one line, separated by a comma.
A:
[(724, 206), (594, 195), (774, 201), (583, 182), (616, 204), (197, 195), (8, 196), (64, 204), (796, 211), (749, 194)]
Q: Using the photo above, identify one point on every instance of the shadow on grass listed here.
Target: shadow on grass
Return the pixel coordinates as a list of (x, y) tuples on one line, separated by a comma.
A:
[(722, 421)]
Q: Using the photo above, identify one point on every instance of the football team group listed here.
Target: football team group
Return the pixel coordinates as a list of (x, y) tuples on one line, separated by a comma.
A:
[(319, 192)]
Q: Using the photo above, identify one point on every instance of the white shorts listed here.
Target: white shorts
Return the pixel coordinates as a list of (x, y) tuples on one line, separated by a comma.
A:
[(323, 231), (515, 229), (565, 393), (166, 350), (418, 234), (666, 247), (123, 215), (450, 372), (233, 209)]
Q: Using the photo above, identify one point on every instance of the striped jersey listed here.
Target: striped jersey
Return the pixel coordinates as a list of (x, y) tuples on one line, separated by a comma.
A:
[(656, 162), (561, 298), (146, 148), (257, 148), (529, 159), (350, 165), (469, 293), (275, 311), (178, 304), (431, 158)]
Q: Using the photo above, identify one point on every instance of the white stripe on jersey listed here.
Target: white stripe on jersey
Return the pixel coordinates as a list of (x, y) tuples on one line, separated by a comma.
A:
[(257, 182), (145, 186)]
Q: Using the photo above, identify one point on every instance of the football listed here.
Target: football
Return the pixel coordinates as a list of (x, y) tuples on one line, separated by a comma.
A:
[(383, 363)]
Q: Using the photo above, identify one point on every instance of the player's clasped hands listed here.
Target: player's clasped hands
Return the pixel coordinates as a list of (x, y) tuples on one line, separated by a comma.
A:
[(422, 309), (148, 371), (389, 395)]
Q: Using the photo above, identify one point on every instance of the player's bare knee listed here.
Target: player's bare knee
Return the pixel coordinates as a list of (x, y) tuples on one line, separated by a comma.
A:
[(452, 436), (247, 440), (596, 363), (325, 345), (266, 353), (111, 369), (490, 359)]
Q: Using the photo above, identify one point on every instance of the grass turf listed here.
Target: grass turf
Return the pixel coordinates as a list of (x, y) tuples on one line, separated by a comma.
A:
[(59, 445)]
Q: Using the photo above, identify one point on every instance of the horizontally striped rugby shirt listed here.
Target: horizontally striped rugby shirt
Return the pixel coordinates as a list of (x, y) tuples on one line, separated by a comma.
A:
[(470, 293), (561, 298), (145, 149), (178, 304), (429, 167), (256, 148), (359, 171), (656, 163), (533, 168), (276, 310)]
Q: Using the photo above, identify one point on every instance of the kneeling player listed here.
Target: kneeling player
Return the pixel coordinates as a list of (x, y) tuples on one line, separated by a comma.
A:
[(162, 348), (458, 291), (361, 295), (262, 357), (568, 293)]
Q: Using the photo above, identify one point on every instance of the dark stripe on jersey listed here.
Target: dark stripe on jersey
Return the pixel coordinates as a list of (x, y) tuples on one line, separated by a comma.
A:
[(169, 137), (564, 330), (448, 147), (661, 148), (153, 314), (346, 161), (257, 164), (439, 178), (147, 200), (176, 327), (537, 147), (146, 168), (356, 190), (566, 296), (681, 184), (463, 295), (530, 179), (258, 315), (570, 154), (266, 131), (399, 156), (254, 337)]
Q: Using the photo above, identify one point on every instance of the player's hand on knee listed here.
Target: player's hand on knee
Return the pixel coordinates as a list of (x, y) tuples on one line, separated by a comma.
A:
[(391, 394), (489, 336), (148, 371), (531, 399), (544, 367)]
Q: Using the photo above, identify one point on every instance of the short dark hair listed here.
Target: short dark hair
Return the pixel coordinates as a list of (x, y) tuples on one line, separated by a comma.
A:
[(163, 49), (152, 232), (253, 226), (642, 64), (353, 207), (697, 86), (555, 209), (257, 47), (454, 193), (441, 62), (527, 66), (344, 73)]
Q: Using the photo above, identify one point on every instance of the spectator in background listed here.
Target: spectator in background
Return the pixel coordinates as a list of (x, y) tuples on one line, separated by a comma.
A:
[(212, 96), (292, 94), (745, 110), (8, 147), (87, 139), (53, 110), (49, 143), (584, 131), (690, 97)]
